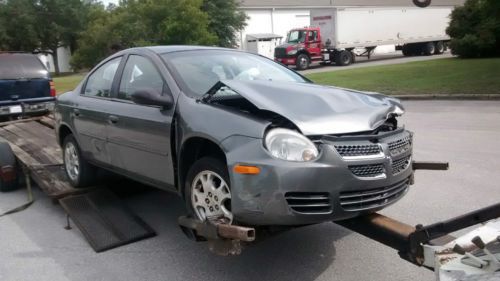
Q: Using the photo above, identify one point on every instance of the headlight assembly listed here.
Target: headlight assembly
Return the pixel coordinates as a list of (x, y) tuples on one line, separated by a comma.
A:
[(289, 145), (292, 52)]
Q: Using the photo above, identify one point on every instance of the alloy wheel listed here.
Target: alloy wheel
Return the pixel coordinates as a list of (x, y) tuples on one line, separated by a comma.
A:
[(211, 197), (71, 161)]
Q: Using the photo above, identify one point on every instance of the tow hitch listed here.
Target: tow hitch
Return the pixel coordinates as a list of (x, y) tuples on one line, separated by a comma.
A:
[(431, 246), (223, 239)]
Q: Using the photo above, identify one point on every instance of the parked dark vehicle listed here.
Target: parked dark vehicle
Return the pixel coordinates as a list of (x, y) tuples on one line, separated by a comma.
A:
[(26, 88), (238, 136)]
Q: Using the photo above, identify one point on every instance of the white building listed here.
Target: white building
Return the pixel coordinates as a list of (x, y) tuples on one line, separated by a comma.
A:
[(64, 56), (279, 16)]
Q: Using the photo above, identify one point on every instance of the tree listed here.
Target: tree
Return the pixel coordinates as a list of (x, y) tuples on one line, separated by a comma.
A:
[(225, 20), (58, 23), (17, 26), (475, 29), (40, 25), (143, 22)]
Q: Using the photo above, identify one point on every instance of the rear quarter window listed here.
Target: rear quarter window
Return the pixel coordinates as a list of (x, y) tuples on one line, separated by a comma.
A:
[(21, 66)]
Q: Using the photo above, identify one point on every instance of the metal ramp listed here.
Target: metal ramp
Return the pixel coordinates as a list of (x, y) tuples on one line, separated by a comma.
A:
[(104, 220)]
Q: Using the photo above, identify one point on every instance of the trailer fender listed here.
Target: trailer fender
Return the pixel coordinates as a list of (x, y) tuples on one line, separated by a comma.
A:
[(8, 168)]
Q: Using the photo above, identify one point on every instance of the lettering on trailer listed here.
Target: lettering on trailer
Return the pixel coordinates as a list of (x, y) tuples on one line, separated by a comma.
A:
[(322, 18)]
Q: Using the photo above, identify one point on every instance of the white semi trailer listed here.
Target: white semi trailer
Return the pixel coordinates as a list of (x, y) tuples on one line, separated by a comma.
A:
[(336, 32)]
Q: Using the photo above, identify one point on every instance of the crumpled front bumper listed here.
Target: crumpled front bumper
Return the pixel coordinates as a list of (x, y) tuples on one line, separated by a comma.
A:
[(329, 188)]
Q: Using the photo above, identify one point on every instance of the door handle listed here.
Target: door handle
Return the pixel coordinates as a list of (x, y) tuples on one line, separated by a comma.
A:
[(76, 112), (113, 119)]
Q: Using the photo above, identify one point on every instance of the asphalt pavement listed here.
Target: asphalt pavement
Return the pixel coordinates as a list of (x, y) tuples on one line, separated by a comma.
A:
[(35, 246)]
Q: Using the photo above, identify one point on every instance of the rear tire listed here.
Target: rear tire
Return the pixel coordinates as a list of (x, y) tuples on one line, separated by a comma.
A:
[(439, 48), (343, 58), (207, 191), (303, 62), (407, 51), (79, 172), (8, 160), (429, 48)]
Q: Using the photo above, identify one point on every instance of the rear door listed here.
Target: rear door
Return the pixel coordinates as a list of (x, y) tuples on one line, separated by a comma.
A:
[(139, 135), (91, 113)]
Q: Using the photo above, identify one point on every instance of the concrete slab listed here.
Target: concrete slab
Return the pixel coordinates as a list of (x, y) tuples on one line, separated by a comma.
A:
[(34, 245)]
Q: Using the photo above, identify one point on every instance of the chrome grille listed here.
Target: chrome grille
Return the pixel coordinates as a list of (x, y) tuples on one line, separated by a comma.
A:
[(280, 52), (401, 145), (309, 202), (358, 150), (368, 171), (373, 198), (400, 165)]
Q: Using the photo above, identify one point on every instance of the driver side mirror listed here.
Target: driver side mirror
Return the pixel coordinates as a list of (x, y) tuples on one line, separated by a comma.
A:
[(149, 96)]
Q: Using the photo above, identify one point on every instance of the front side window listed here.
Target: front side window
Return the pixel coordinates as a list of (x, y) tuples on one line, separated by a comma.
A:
[(99, 83), (139, 73), (313, 36)]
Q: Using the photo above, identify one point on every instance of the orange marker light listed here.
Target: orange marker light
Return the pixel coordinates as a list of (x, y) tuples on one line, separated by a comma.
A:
[(246, 170)]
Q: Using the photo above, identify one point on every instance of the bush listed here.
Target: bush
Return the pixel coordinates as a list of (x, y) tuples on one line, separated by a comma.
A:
[(475, 29)]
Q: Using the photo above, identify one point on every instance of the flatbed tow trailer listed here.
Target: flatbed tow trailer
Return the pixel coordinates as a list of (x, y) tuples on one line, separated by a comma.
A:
[(474, 256)]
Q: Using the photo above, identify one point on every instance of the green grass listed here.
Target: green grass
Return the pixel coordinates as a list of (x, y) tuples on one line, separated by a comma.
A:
[(442, 76), (67, 83)]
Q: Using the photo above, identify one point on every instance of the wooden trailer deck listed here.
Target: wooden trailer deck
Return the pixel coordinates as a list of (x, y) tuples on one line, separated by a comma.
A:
[(34, 143)]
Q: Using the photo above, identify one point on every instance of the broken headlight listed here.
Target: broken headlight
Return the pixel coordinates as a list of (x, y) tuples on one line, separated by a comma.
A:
[(289, 145)]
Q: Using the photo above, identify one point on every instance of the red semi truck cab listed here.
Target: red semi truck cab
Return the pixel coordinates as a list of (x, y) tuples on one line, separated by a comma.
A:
[(302, 46)]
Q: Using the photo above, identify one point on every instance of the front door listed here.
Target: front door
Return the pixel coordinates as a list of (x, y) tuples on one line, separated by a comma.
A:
[(313, 44), (139, 135)]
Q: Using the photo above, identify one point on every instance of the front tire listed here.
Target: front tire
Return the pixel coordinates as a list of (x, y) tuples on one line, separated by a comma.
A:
[(303, 62), (79, 172), (207, 192)]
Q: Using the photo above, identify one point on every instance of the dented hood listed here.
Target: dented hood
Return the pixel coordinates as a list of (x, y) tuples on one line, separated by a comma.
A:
[(316, 109)]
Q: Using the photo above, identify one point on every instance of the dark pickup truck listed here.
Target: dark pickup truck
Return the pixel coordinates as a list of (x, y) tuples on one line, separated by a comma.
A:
[(26, 88)]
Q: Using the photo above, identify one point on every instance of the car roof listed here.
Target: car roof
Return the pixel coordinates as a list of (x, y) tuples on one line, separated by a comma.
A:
[(179, 48), (8, 53)]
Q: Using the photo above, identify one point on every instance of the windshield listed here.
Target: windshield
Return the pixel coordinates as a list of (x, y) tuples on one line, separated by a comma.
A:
[(296, 36), (201, 70), (21, 66)]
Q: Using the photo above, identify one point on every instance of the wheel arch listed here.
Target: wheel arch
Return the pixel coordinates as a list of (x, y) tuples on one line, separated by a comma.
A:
[(62, 132), (193, 149)]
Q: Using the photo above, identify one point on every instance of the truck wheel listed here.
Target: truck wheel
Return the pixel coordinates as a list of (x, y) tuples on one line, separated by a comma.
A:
[(407, 51), (80, 173), (207, 192), (8, 177), (439, 48), (302, 62), (429, 48), (343, 58)]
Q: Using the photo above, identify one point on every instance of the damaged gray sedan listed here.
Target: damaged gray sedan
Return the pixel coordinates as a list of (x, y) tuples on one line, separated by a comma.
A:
[(241, 138)]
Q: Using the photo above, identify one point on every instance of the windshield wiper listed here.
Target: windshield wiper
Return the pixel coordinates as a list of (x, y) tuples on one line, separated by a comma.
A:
[(213, 90)]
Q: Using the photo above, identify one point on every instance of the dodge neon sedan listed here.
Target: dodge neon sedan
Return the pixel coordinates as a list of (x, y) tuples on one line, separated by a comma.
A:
[(240, 138)]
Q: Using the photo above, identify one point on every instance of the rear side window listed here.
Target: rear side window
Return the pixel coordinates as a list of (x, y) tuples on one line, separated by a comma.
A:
[(139, 73), (21, 66), (99, 83)]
